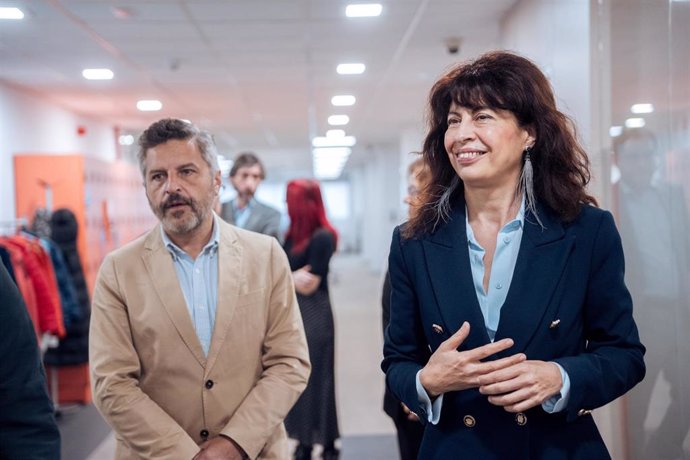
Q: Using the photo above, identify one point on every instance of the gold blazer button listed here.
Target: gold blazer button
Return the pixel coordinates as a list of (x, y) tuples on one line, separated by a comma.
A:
[(437, 329), (521, 419), (469, 421), (582, 412), (554, 324)]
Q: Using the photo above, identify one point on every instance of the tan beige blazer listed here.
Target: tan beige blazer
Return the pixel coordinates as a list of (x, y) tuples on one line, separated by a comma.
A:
[(150, 378)]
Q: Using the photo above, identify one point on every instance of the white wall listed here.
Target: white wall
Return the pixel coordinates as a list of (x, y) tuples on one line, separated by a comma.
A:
[(557, 36), (31, 125), (375, 203), (411, 141), (378, 187)]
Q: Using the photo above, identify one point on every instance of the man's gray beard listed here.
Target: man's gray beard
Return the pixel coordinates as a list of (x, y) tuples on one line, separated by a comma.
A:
[(182, 227)]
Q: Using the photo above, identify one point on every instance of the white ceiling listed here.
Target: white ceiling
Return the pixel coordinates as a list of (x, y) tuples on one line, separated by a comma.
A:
[(259, 74)]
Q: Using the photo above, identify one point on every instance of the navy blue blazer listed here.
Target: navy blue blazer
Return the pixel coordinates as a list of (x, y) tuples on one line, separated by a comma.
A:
[(567, 303)]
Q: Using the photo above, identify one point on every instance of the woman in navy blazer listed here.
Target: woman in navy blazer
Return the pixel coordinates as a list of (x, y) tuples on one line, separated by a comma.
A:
[(510, 320)]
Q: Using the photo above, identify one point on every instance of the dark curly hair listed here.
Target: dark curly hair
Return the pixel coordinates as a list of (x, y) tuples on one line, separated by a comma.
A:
[(505, 81)]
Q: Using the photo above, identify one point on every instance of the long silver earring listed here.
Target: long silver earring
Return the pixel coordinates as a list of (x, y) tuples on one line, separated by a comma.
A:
[(527, 186)]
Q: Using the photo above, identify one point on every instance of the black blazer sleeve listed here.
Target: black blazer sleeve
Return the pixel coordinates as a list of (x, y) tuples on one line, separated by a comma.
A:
[(27, 422), (612, 362), (405, 350), (386, 302)]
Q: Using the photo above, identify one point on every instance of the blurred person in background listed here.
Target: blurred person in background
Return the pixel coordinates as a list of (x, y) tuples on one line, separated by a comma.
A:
[(407, 425), (244, 210), (510, 320), (310, 243), (655, 229)]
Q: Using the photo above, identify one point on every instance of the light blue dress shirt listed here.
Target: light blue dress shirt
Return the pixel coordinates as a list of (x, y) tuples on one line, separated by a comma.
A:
[(199, 282), (242, 214), (490, 303)]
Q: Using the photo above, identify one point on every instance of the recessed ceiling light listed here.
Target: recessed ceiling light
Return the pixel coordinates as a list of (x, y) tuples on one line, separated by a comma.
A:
[(354, 68), (343, 100), (11, 13), (634, 123), (615, 131), (642, 108), (363, 10), (97, 74), (335, 133), (150, 105), (126, 139), (338, 120)]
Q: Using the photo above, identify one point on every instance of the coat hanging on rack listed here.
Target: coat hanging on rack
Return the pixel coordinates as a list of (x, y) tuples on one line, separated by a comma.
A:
[(73, 349)]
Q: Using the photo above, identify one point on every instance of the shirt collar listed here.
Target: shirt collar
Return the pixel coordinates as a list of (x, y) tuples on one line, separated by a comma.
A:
[(249, 206), (519, 221), (212, 244)]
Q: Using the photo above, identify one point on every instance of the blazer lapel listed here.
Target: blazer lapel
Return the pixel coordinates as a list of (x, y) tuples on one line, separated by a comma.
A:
[(230, 278), (542, 258), (226, 213), (448, 262), (161, 271)]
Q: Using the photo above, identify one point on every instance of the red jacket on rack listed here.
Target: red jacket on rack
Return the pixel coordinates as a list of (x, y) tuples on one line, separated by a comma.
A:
[(40, 273), (23, 282)]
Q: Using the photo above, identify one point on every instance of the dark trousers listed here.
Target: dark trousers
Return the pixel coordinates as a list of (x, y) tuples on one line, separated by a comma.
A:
[(409, 436)]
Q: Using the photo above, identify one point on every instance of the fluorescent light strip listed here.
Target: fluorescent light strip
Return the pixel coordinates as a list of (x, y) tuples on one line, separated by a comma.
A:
[(328, 163), (97, 74), (325, 175), (331, 151), (151, 105), (353, 68), (11, 13), (363, 10)]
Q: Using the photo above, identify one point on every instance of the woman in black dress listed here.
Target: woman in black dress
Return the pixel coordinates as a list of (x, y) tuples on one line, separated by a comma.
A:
[(310, 242)]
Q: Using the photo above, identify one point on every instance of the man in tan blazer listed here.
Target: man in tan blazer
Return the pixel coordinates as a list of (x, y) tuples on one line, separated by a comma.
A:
[(197, 347)]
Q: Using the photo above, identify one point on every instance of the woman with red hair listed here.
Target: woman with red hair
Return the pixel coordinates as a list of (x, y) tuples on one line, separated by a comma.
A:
[(310, 242)]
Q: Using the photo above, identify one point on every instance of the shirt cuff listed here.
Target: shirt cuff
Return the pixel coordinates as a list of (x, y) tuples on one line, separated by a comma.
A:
[(432, 411), (558, 402)]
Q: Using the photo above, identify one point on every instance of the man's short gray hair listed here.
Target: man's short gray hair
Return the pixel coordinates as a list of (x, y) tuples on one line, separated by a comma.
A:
[(169, 129)]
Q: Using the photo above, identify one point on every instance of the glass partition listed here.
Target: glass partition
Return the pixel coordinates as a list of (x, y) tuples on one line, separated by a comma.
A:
[(650, 191)]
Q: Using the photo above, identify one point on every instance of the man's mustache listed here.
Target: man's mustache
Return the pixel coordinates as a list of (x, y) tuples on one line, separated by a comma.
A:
[(174, 200)]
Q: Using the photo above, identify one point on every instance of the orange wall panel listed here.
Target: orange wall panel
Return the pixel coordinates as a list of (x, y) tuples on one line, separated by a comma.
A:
[(64, 174), (107, 198)]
